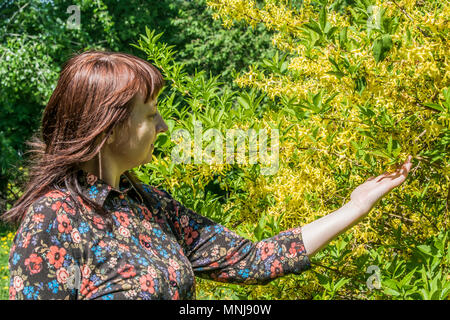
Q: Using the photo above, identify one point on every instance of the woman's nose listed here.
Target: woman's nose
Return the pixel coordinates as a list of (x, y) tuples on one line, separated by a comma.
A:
[(162, 126)]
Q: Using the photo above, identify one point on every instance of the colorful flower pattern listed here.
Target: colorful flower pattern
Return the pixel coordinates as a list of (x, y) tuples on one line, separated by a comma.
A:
[(153, 250)]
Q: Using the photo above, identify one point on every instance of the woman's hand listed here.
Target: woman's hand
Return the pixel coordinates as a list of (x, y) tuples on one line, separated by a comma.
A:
[(367, 194), (320, 232)]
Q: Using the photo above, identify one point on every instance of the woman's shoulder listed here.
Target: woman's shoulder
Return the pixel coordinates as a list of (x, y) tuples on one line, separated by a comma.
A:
[(159, 198), (47, 208), (46, 225), (156, 194), (53, 201), (152, 190)]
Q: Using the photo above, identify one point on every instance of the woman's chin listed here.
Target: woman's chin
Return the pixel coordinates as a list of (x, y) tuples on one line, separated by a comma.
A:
[(146, 160)]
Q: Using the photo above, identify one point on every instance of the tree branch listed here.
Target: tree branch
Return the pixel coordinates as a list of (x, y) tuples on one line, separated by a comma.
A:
[(406, 14)]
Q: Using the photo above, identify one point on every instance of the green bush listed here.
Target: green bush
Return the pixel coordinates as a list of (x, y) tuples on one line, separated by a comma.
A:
[(385, 257)]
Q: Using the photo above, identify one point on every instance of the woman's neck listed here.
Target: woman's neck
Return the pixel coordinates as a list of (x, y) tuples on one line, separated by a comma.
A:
[(109, 172)]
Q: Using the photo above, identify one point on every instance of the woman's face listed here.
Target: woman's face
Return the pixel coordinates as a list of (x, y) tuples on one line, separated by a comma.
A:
[(136, 144)]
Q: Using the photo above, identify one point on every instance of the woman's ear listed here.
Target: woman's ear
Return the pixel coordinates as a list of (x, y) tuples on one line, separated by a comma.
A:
[(112, 137)]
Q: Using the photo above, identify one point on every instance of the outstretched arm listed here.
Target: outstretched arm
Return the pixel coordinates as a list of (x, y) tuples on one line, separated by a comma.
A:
[(320, 232)]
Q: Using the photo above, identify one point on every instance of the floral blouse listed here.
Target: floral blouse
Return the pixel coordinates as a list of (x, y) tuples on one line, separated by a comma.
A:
[(152, 251)]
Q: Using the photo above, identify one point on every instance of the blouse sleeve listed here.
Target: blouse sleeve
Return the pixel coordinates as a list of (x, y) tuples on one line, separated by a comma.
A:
[(40, 261), (219, 254)]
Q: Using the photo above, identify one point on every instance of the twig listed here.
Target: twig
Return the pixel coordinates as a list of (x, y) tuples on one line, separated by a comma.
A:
[(236, 223), (446, 207), (343, 120), (421, 134), (429, 220), (406, 14), (336, 154), (413, 170), (337, 271), (401, 217), (333, 196), (21, 35), (15, 13)]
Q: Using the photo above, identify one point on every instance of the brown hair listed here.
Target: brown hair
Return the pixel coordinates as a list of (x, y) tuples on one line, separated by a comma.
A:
[(94, 94)]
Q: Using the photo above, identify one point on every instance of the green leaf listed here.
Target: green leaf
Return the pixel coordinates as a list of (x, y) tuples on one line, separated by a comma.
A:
[(435, 106), (331, 32), (425, 249), (334, 63), (259, 230), (338, 74), (425, 294), (389, 146), (323, 280), (381, 47), (391, 292), (323, 18), (379, 153), (340, 283), (407, 278), (445, 291), (314, 26), (317, 100), (343, 37)]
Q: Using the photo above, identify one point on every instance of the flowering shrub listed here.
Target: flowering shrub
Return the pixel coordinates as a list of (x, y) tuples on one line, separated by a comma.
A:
[(354, 89), (351, 92), (6, 238)]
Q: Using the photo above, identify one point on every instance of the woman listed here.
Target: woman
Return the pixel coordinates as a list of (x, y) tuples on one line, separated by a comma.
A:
[(89, 229)]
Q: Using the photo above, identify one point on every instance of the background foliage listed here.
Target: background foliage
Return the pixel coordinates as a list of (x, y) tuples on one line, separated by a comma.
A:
[(35, 40), (352, 92)]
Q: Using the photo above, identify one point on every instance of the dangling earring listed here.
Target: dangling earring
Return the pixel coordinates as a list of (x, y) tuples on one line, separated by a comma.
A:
[(100, 164)]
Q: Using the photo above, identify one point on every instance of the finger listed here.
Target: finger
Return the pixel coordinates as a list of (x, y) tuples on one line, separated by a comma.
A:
[(399, 176), (390, 175), (392, 180), (405, 166), (401, 169), (381, 176), (408, 161)]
